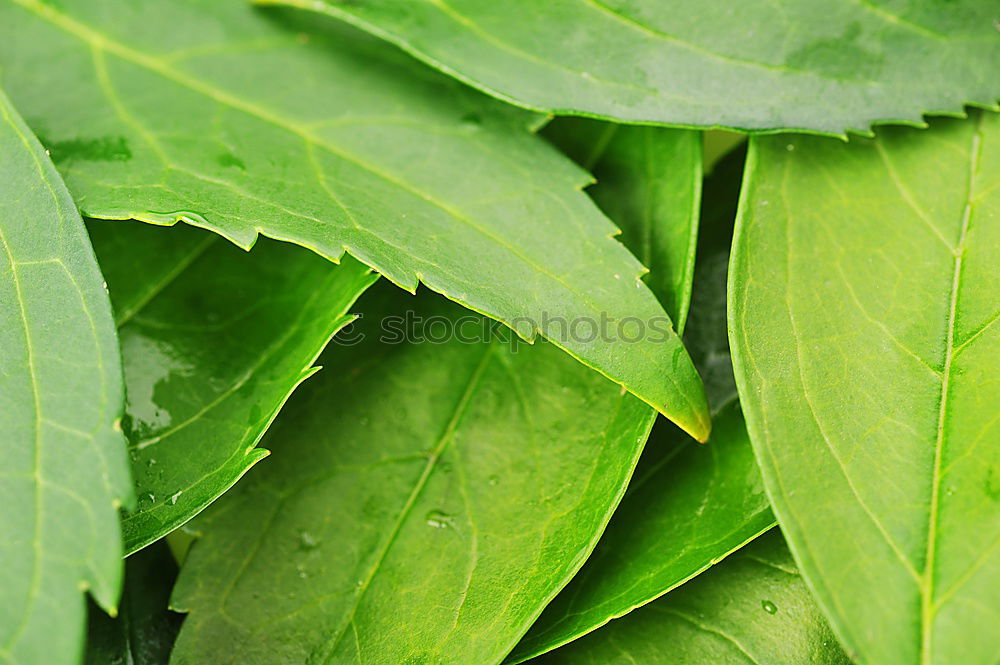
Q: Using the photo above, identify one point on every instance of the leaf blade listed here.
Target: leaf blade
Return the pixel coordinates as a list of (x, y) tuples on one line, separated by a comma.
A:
[(753, 607), (803, 67), (649, 185), (690, 509), (214, 341), (689, 506), (430, 509), (60, 383), (945, 217), (335, 172)]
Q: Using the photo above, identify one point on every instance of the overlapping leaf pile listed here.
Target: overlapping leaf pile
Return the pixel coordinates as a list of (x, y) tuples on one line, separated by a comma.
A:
[(500, 466)]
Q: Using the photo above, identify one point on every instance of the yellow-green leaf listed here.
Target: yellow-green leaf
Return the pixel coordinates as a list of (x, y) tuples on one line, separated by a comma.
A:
[(864, 296)]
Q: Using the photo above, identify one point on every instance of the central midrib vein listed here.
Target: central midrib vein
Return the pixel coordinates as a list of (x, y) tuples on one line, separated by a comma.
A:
[(432, 460), (927, 608)]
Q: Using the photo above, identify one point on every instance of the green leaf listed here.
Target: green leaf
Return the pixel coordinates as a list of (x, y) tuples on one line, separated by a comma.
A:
[(214, 341), (707, 335), (690, 505), (145, 630), (649, 184), (424, 501), (64, 469), (239, 121), (751, 608), (755, 65), (864, 309)]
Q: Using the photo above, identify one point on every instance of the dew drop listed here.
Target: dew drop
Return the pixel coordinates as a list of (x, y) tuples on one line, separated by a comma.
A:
[(438, 519), (769, 607), (790, 147), (307, 541)]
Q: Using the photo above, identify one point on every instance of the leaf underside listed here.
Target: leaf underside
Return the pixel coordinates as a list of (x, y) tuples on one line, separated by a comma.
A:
[(864, 305), (245, 122), (494, 473), (810, 65), (214, 340), (64, 470)]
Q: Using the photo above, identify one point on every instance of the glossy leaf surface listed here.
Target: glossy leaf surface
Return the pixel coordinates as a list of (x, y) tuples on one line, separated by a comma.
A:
[(794, 64), (64, 470), (689, 505), (864, 301), (145, 630), (649, 184), (214, 341), (751, 608), (423, 502), (238, 120)]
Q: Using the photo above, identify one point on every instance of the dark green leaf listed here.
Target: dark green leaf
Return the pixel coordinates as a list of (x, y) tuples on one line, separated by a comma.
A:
[(865, 295), (214, 340), (649, 184), (755, 64), (752, 608), (707, 334), (235, 119), (423, 504), (64, 470), (145, 630)]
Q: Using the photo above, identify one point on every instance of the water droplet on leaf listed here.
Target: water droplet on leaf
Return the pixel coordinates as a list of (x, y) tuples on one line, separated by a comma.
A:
[(438, 519), (307, 541)]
